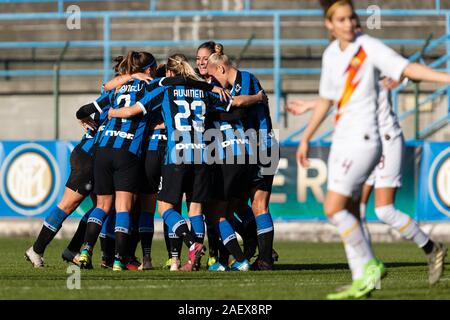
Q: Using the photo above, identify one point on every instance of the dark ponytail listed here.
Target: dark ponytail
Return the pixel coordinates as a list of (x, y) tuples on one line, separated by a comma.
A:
[(118, 60), (137, 61)]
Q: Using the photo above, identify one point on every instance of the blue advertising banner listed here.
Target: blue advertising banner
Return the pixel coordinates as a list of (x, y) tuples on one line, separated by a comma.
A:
[(299, 193), (434, 190), (33, 175)]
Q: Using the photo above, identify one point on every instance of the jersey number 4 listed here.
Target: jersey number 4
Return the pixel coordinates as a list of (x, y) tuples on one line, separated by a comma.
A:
[(199, 109)]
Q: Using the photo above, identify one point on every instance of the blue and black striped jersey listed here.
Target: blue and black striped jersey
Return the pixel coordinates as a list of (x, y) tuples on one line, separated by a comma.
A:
[(183, 109), (157, 140), (102, 104), (125, 134), (258, 116)]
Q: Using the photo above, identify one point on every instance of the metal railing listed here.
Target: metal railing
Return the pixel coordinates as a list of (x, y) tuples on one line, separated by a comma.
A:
[(414, 111), (276, 42), (152, 4)]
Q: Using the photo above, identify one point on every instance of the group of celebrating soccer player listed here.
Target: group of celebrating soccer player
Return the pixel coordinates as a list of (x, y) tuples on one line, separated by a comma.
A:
[(158, 134), (158, 137)]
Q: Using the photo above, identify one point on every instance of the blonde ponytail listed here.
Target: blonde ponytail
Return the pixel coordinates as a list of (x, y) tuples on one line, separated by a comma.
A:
[(179, 65)]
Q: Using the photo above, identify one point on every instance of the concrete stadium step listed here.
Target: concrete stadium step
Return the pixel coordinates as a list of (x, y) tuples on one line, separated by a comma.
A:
[(186, 28)]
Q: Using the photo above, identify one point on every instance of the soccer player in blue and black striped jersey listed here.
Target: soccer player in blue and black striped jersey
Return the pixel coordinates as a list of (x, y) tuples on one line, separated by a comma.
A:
[(152, 156), (116, 164), (183, 109), (257, 120), (79, 185)]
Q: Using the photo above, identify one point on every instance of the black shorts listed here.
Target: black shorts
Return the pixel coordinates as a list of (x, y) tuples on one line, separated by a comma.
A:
[(115, 170), (81, 177), (259, 179), (230, 181), (262, 174), (192, 179), (152, 166)]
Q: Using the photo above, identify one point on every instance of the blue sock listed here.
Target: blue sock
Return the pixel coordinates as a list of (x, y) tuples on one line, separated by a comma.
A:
[(122, 231), (110, 225), (264, 223), (265, 231), (93, 228), (146, 222), (105, 224), (87, 214), (52, 224), (122, 222), (55, 219), (229, 240), (173, 220), (178, 225), (97, 216), (146, 230), (198, 227), (226, 231)]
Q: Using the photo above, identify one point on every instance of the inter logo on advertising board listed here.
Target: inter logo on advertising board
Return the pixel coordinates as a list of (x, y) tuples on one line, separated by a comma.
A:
[(439, 182), (30, 179)]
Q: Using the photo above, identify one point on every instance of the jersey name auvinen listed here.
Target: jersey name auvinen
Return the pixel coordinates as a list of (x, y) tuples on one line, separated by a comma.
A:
[(183, 109)]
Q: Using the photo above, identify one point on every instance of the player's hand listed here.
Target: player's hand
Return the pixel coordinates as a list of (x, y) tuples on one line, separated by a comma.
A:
[(298, 107), (142, 76), (302, 154), (263, 97), (390, 84), (224, 94), (88, 124), (111, 113)]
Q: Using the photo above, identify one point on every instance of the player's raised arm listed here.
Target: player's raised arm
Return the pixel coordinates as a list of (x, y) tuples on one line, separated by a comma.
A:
[(125, 113), (100, 105), (147, 104), (129, 72), (124, 78), (198, 84), (419, 72), (298, 107), (396, 67), (250, 100)]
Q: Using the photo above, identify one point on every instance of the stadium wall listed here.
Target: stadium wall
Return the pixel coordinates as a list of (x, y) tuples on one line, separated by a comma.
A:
[(31, 117)]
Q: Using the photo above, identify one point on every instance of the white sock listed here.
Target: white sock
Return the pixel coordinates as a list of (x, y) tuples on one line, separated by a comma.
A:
[(355, 266), (365, 227), (352, 235), (407, 226), (362, 210)]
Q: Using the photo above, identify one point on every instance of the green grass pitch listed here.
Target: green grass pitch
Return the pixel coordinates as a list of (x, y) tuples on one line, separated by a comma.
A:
[(304, 271)]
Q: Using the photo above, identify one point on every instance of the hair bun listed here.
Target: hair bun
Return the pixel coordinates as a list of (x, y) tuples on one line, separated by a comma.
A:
[(118, 59), (218, 48)]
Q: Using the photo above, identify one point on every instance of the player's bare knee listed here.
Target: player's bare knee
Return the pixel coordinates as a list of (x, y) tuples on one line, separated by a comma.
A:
[(330, 208), (259, 207), (104, 203), (68, 208)]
